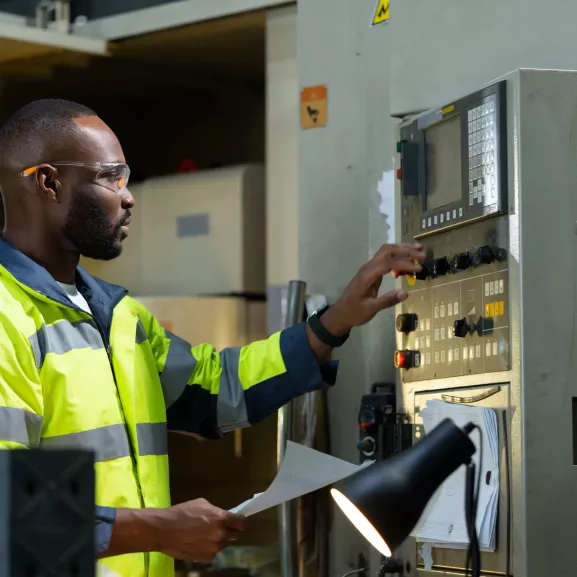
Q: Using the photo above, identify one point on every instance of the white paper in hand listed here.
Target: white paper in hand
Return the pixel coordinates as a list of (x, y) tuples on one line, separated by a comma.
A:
[(302, 471)]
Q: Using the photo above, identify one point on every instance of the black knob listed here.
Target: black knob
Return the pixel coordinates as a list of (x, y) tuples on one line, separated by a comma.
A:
[(406, 322), (461, 261), (407, 359), (501, 254), (441, 266), (461, 328), (485, 325), (483, 255), (428, 270)]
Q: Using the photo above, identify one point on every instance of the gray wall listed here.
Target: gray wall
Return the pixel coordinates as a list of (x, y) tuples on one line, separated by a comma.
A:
[(340, 166), (443, 49)]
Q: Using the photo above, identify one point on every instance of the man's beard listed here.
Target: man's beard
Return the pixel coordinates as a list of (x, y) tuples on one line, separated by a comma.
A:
[(89, 229)]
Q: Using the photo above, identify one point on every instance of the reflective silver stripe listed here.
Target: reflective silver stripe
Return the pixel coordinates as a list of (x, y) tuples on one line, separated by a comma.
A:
[(231, 410), (152, 439), (141, 335), (64, 336), (179, 366), (20, 426), (109, 442)]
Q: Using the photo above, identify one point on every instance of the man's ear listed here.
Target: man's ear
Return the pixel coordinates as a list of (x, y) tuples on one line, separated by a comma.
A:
[(47, 181)]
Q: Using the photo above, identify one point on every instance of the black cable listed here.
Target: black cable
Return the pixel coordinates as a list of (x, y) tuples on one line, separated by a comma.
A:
[(508, 471), (471, 508)]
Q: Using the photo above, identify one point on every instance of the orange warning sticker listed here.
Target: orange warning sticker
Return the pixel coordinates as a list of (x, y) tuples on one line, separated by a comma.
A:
[(314, 107)]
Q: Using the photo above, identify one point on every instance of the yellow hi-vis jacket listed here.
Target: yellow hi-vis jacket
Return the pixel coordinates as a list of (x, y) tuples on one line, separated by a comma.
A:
[(115, 381)]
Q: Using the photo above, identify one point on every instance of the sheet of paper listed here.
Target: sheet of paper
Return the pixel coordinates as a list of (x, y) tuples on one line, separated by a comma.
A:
[(303, 470), (444, 518)]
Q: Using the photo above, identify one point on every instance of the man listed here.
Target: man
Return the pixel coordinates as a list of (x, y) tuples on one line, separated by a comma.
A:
[(85, 365)]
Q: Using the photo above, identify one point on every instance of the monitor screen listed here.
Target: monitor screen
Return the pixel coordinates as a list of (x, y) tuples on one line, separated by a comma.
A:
[(443, 154)]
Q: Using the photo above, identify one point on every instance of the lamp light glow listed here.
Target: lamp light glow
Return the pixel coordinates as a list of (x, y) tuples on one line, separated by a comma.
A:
[(362, 524), (386, 500)]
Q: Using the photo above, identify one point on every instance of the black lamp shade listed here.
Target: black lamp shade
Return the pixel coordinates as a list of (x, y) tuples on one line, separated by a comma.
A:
[(386, 500)]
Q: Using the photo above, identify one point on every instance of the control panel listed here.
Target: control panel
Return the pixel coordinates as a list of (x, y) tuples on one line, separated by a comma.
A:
[(383, 432), (454, 200)]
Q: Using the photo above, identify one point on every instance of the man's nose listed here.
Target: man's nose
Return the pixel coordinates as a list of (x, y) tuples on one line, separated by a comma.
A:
[(127, 199)]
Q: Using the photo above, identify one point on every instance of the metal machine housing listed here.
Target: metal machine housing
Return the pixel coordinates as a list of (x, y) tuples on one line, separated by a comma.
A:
[(531, 381)]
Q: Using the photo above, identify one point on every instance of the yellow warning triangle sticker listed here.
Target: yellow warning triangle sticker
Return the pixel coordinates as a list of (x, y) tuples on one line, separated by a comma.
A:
[(382, 13)]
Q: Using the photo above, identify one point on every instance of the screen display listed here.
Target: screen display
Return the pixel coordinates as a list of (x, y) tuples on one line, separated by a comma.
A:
[(443, 161)]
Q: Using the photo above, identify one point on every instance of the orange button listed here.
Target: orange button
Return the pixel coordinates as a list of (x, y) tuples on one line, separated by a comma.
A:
[(487, 310), (400, 359)]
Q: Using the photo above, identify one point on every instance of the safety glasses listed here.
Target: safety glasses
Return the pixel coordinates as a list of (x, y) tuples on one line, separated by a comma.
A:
[(111, 175)]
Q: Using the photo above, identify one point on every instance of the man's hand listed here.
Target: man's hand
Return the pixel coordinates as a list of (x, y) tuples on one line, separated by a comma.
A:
[(361, 301), (191, 531), (197, 531)]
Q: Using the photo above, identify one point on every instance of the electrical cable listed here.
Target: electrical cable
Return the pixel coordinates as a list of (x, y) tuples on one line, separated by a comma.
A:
[(471, 508), (508, 471)]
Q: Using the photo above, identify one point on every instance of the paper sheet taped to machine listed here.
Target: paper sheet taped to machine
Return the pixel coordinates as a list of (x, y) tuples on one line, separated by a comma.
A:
[(443, 522), (303, 470)]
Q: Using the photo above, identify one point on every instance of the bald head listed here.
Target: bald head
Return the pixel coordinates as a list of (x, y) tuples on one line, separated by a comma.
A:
[(63, 179), (38, 130)]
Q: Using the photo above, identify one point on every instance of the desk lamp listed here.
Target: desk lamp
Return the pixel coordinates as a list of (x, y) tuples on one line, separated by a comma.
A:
[(386, 500)]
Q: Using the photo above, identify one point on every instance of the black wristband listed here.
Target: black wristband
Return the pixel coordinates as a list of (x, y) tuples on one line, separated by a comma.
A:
[(320, 331)]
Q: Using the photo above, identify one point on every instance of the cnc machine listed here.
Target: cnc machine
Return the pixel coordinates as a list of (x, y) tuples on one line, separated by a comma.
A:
[(488, 183)]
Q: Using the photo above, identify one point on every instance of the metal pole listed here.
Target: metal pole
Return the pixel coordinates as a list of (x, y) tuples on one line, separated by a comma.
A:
[(288, 546)]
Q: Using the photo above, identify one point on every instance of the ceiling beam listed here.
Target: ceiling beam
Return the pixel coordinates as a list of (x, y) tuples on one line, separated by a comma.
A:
[(171, 15)]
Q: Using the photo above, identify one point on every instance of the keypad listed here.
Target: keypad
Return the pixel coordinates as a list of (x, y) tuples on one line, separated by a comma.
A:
[(482, 147)]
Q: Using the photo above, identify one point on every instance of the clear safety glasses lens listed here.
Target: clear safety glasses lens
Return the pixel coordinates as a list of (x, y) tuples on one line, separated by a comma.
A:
[(113, 176)]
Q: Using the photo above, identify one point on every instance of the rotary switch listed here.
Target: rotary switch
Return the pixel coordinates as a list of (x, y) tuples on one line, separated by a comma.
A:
[(461, 261), (461, 328), (441, 266), (427, 270), (483, 255), (500, 254), (407, 322)]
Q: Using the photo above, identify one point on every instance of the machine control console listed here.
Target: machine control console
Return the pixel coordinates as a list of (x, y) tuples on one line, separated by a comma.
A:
[(453, 163), (453, 196)]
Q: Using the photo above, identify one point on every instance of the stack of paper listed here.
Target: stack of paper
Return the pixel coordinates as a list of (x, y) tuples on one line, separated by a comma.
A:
[(443, 522), (302, 471)]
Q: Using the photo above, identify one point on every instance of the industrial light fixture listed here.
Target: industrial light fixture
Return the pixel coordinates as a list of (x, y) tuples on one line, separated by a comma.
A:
[(386, 500)]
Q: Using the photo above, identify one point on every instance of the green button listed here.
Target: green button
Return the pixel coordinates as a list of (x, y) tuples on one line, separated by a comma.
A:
[(399, 147)]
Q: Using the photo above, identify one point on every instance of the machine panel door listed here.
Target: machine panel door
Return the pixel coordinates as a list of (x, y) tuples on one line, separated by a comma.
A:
[(450, 561)]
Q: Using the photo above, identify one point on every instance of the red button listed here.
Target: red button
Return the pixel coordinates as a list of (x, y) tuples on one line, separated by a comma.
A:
[(399, 173), (400, 359)]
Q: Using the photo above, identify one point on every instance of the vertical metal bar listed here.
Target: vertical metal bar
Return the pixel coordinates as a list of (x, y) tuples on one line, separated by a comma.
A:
[(295, 307)]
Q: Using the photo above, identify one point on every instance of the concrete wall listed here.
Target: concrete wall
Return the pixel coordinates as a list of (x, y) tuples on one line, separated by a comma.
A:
[(282, 116), (340, 225), (443, 49)]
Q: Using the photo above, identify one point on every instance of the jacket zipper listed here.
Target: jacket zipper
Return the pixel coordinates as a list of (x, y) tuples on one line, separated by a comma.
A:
[(106, 339)]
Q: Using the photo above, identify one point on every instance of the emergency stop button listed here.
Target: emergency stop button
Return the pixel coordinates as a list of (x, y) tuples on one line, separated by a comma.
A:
[(407, 359)]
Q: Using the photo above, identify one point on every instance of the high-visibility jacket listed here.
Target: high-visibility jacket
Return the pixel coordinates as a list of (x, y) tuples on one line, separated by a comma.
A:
[(115, 381)]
